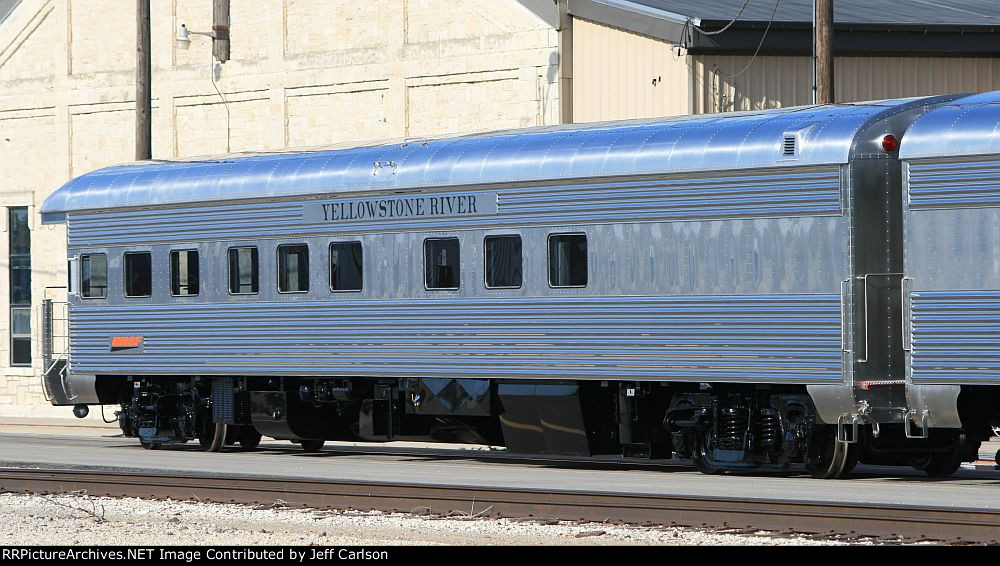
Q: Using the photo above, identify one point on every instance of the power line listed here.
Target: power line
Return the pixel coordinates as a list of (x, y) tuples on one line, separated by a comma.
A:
[(727, 26), (759, 45)]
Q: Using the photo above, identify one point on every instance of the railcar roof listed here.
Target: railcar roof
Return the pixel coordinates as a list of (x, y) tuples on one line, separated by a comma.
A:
[(967, 126), (747, 140)]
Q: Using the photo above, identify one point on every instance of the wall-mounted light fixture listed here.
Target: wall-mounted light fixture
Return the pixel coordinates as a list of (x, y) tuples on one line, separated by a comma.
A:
[(184, 37)]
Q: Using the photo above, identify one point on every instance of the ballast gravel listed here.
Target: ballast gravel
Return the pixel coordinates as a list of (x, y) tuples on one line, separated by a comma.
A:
[(78, 519)]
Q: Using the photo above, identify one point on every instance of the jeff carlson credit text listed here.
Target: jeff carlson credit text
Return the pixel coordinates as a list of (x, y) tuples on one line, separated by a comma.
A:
[(185, 555)]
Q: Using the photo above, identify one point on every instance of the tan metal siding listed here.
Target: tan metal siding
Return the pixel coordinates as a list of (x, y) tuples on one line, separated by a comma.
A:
[(774, 82), (618, 75), (614, 71)]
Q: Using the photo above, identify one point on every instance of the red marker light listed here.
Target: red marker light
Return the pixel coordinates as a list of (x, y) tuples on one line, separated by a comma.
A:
[(890, 143)]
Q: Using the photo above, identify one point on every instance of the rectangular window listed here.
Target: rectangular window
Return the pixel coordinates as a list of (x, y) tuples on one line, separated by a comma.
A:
[(293, 268), (138, 274), (346, 266), (568, 260), (503, 262), (19, 263), (441, 263), (183, 273), (93, 276), (243, 271)]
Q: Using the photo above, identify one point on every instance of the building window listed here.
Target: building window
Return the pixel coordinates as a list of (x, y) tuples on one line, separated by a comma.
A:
[(19, 264), (138, 274), (346, 266), (293, 268), (243, 271), (441, 263), (568, 260), (503, 262), (184, 273), (94, 276)]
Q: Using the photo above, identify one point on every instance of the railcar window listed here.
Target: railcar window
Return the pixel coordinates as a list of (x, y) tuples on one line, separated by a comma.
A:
[(346, 266), (568, 260), (441, 263), (94, 276), (503, 262), (244, 276), (184, 273), (293, 268), (138, 274)]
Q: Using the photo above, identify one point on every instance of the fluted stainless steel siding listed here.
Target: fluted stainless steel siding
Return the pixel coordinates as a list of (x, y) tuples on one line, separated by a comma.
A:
[(785, 338), (952, 240), (956, 337), (811, 191), (954, 183)]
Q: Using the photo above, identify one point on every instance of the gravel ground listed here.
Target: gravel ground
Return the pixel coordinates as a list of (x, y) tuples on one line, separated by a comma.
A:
[(84, 520)]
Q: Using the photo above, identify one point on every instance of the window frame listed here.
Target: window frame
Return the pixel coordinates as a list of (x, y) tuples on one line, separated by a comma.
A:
[(486, 282), (229, 271), (277, 269), (170, 269), (88, 256), (424, 254), (548, 259), (19, 276), (125, 274), (329, 272)]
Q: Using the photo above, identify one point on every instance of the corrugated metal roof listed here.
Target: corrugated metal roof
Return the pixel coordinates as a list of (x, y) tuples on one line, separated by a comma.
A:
[(824, 135), (971, 13), (6, 7)]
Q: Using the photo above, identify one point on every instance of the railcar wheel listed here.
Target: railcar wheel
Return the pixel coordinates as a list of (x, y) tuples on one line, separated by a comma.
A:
[(312, 445), (831, 458), (249, 438), (213, 437), (700, 458), (943, 464)]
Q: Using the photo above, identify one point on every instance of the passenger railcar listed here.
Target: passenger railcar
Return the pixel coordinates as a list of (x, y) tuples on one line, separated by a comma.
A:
[(727, 288)]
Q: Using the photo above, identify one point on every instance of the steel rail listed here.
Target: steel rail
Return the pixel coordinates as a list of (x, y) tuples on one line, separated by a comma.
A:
[(855, 519)]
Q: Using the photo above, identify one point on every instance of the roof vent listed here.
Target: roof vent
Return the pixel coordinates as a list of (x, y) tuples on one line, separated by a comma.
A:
[(790, 146)]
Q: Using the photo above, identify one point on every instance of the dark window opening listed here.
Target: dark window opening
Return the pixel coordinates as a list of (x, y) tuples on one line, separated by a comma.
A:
[(243, 271), (94, 276), (503, 262), (568, 260), (346, 266), (19, 263), (293, 268), (138, 274), (184, 273), (441, 263)]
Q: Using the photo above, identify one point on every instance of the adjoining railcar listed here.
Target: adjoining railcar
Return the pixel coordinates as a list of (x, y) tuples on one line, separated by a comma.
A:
[(725, 288), (951, 173)]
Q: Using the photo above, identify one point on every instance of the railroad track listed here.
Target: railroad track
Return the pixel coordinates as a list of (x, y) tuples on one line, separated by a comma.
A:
[(908, 522)]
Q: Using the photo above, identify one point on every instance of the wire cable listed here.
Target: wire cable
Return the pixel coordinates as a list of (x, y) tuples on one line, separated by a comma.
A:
[(759, 45), (727, 26)]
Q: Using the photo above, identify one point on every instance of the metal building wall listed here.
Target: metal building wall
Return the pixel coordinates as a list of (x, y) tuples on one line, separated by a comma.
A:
[(614, 73), (774, 82), (619, 75)]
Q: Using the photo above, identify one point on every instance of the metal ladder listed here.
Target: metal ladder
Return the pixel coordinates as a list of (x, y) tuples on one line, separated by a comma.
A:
[(55, 345)]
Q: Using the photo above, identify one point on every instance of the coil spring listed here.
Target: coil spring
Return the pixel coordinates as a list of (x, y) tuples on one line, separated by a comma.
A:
[(770, 430), (732, 429)]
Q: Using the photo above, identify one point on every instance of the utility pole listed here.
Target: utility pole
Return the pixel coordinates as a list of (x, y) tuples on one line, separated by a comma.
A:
[(823, 46), (143, 83), (220, 29)]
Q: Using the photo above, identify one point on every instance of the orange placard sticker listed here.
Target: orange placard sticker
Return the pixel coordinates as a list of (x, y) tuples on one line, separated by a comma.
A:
[(125, 342)]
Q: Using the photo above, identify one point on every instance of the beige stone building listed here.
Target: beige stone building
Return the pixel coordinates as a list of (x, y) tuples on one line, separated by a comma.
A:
[(321, 72)]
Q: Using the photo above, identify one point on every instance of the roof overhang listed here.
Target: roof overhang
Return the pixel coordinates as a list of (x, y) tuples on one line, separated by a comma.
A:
[(783, 37)]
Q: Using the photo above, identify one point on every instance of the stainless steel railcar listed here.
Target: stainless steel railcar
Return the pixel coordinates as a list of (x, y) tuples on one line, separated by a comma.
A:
[(726, 288)]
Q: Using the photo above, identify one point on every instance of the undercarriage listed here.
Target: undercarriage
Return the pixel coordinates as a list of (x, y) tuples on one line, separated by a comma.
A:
[(720, 428)]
